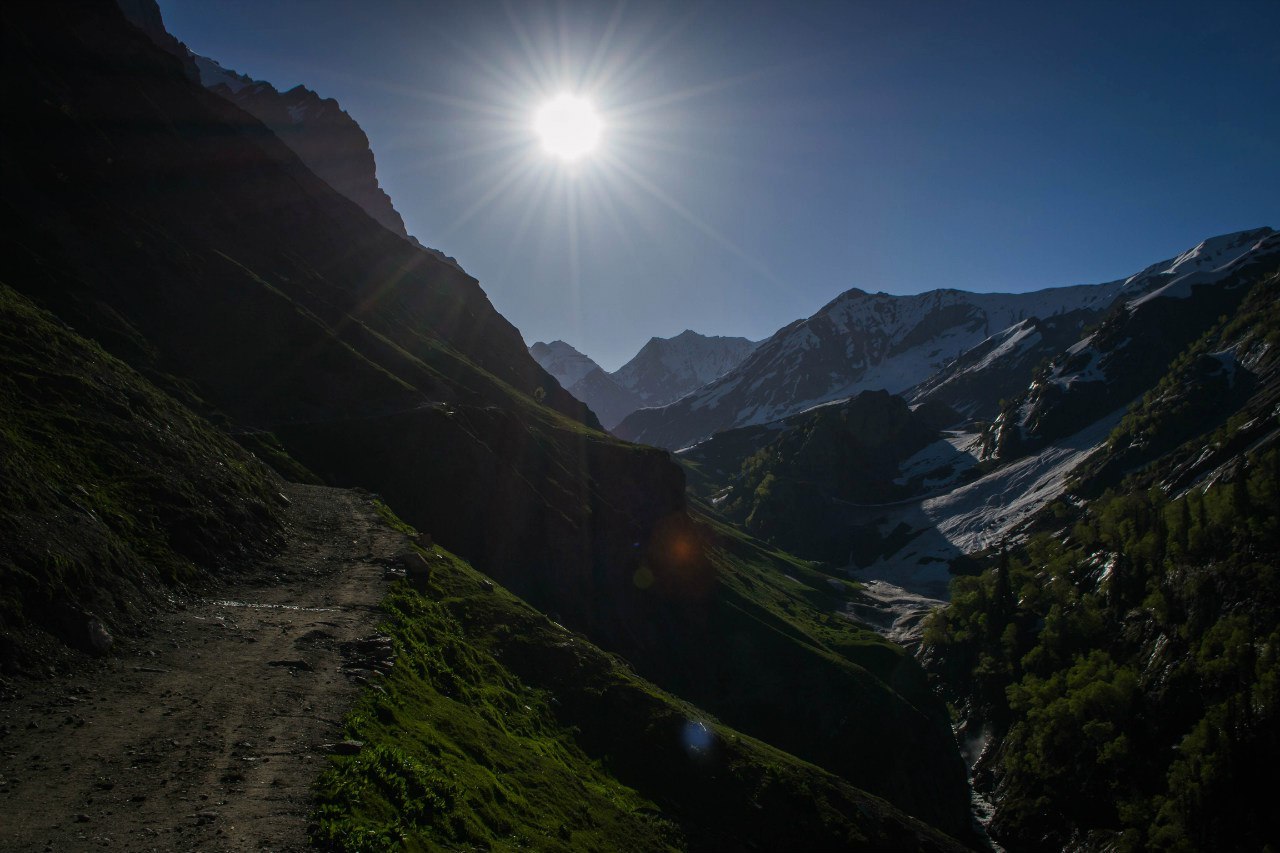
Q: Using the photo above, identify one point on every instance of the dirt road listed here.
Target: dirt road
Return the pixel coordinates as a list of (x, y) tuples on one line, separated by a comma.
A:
[(208, 733)]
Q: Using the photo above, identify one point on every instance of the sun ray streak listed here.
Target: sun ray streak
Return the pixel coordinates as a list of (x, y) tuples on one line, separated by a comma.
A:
[(592, 70), (484, 200), (693, 219)]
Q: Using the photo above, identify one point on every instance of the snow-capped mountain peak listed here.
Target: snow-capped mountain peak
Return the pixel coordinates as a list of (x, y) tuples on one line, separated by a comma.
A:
[(867, 341), (1206, 262), (212, 74), (666, 369)]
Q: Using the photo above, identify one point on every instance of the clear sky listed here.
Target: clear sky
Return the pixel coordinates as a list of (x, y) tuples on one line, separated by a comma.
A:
[(759, 158)]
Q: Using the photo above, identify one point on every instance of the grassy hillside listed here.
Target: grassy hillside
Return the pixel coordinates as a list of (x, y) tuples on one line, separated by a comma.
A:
[(108, 489), (500, 728)]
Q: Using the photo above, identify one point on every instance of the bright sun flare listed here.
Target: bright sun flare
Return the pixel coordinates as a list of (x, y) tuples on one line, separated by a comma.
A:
[(568, 127)]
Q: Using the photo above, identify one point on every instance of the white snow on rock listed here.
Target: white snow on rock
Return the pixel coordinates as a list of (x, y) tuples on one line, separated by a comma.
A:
[(1206, 263), (665, 369), (979, 514), (892, 611), (213, 74), (942, 462), (1014, 339)]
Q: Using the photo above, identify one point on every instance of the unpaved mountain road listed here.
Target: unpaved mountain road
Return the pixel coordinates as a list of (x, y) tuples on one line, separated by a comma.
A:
[(208, 733)]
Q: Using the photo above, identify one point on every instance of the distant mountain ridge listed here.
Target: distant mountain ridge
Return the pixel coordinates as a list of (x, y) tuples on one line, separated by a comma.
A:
[(664, 370), (861, 341)]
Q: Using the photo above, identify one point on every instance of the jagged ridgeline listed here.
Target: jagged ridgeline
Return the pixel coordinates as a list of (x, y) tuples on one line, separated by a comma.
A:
[(182, 236), (1121, 669)]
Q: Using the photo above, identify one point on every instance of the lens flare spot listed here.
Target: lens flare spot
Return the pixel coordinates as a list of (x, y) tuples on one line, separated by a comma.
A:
[(697, 738)]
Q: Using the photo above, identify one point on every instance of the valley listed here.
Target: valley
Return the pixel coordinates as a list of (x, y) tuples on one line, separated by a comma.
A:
[(302, 545)]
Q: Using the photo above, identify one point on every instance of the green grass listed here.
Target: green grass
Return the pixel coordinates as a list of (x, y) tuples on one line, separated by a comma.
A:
[(462, 753), (807, 603), (499, 729)]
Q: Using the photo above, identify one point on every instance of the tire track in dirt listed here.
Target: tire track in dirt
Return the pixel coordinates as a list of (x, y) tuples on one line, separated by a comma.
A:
[(208, 733)]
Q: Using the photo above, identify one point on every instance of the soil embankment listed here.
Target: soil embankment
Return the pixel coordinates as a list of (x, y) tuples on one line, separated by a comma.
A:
[(207, 733)]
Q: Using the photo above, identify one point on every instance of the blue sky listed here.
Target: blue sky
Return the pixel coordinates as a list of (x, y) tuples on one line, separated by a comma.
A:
[(760, 158)]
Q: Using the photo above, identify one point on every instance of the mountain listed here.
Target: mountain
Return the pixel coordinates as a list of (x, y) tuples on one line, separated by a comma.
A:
[(664, 370), (585, 380), (789, 480), (112, 491), (1128, 352), (177, 231), (1134, 633), (563, 362), (609, 400), (861, 341), (145, 15), (997, 368), (1109, 544), (319, 131), (907, 501)]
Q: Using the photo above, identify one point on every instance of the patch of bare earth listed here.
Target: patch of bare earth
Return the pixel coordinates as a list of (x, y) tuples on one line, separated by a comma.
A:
[(208, 733)]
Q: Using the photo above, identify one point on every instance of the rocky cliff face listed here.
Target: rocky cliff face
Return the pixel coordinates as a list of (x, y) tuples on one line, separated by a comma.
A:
[(323, 135), (318, 130), (145, 15)]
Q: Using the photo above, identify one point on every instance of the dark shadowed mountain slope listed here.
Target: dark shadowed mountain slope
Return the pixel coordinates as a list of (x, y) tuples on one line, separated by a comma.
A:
[(800, 482), (318, 130), (115, 499), (145, 15), (609, 400), (109, 491), (179, 232)]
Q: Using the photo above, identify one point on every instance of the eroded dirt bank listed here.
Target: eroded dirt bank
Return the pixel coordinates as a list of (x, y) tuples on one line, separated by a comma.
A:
[(207, 733)]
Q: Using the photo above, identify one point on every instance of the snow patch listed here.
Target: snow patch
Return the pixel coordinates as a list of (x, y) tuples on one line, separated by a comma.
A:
[(213, 74)]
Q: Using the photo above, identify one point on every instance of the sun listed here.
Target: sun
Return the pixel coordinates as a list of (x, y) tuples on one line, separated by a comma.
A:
[(568, 127)]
